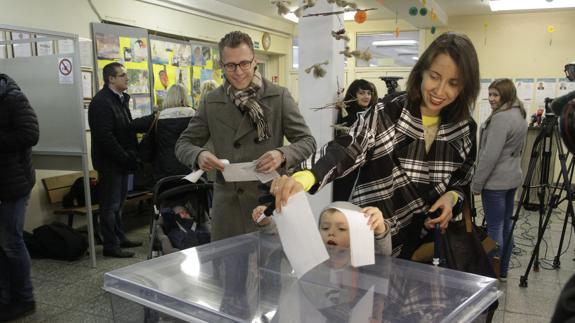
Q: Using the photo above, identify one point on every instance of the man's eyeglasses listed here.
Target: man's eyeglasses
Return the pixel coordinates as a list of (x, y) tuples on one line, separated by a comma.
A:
[(244, 65)]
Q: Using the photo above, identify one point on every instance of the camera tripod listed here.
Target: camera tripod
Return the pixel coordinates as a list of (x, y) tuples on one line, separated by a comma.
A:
[(542, 149)]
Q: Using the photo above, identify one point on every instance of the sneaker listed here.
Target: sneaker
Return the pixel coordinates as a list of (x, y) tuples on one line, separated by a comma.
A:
[(503, 278), (17, 310)]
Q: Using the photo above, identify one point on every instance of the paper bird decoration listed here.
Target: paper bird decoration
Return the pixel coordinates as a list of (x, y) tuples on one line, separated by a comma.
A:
[(318, 70), (339, 35), (282, 6)]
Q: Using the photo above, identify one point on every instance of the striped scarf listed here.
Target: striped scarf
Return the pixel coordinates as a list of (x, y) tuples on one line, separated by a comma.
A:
[(246, 100)]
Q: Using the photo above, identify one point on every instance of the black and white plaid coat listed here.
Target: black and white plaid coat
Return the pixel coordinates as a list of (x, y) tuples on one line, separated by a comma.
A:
[(396, 173)]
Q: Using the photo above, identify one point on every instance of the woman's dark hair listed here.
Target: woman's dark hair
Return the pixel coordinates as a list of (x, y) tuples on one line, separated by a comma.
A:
[(508, 96), (461, 50), (361, 84)]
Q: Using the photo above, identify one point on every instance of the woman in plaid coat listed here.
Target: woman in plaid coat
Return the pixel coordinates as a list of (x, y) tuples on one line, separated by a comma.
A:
[(414, 151)]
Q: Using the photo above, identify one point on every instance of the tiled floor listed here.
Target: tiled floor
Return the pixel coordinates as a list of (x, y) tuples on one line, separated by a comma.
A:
[(71, 291)]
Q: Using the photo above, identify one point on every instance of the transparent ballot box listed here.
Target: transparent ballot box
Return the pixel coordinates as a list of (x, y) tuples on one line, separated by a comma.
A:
[(248, 279)]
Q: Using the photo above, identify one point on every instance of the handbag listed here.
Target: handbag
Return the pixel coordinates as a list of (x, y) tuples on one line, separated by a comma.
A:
[(147, 146)]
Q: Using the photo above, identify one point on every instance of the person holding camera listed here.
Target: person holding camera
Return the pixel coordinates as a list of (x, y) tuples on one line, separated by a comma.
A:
[(498, 172)]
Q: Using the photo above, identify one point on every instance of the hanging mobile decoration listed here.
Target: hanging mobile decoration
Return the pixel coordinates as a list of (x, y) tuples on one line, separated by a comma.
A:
[(282, 6), (360, 16), (485, 25), (336, 12), (340, 34), (396, 31), (433, 30), (433, 15), (423, 11), (424, 2), (317, 69), (413, 11), (550, 30), (363, 55)]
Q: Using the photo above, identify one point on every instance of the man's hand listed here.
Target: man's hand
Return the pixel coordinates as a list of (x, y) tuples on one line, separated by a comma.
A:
[(270, 161), (283, 188), (208, 161)]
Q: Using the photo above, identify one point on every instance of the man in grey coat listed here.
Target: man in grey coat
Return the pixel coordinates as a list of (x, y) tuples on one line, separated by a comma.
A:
[(246, 119)]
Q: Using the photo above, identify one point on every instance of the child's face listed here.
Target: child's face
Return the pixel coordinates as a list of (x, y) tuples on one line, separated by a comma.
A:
[(334, 228)]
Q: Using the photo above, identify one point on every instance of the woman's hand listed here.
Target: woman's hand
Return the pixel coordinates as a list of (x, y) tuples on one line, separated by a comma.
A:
[(283, 188), (445, 204), (375, 221), (257, 212)]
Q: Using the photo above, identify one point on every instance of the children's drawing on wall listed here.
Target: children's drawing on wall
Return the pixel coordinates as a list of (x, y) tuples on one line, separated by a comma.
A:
[(197, 57), (163, 77), (139, 49), (160, 54), (108, 46), (138, 81)]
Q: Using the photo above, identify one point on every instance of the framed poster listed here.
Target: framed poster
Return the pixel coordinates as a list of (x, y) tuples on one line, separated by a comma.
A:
[(44, 48), (21, 49), (87, 84), (3, 53)]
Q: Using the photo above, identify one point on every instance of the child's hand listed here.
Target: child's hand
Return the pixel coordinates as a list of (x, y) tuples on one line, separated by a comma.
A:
[(259, 211), (375, 221)]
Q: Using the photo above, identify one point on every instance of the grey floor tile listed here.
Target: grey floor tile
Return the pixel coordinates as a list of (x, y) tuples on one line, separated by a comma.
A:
[(43, 312), (538, 298), (524, 318), (97, 306), (76, 316)]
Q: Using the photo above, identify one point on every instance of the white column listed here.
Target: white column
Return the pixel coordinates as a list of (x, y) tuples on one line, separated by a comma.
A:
[(316, 45)]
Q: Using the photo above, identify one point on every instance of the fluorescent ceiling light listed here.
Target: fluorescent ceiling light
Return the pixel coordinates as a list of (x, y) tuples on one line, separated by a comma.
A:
[(348, 15), (395, 42), (291, 17), (501, 5), (415, 58)]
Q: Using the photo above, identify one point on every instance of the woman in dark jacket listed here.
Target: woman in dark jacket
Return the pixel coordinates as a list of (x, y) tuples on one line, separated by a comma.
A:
[(19, 131), (360, 95), (167, 125)]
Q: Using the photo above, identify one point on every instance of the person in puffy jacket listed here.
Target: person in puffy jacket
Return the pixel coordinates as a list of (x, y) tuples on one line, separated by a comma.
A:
[(167, 124), (19, 132)]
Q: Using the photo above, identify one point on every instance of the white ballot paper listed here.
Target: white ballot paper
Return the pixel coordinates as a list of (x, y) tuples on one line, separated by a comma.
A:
[(243, 172), (299, 235), (238, 172), (361, 239)]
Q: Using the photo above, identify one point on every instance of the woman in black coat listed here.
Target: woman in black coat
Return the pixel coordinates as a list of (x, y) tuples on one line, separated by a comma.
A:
[(362, 95), (167, 124)]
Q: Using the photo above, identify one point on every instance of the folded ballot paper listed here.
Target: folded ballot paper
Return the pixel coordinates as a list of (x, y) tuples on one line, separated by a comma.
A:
[(237, 172), (301, 240)]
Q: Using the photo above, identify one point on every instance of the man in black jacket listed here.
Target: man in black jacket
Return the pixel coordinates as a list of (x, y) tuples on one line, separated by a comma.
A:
[(114, 146), (18, 133)]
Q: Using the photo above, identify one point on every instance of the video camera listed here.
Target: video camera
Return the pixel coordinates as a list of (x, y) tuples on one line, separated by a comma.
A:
[(564, 108), (391, 83)]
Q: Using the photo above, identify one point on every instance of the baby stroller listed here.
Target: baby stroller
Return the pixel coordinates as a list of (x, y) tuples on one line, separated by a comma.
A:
[(181, 215)]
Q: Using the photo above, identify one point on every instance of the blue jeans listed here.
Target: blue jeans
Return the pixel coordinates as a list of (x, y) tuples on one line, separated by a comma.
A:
[(498, 209), (113, 188), (15, 282)]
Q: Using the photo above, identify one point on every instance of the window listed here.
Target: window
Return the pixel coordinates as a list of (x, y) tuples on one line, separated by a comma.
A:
[(388, 50), (295, 54)]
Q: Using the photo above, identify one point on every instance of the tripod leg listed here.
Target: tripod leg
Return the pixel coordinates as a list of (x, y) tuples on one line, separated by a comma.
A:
[(569, 198), (523, 279), (524, 195)]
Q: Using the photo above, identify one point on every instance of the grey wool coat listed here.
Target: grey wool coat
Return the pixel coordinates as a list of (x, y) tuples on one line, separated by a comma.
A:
[(234, 138)]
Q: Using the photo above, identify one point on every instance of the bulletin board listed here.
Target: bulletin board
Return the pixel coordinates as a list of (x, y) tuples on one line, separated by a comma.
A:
[(171, 64), (205, 66), (130, 47), (52, 83), (46, 67)]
